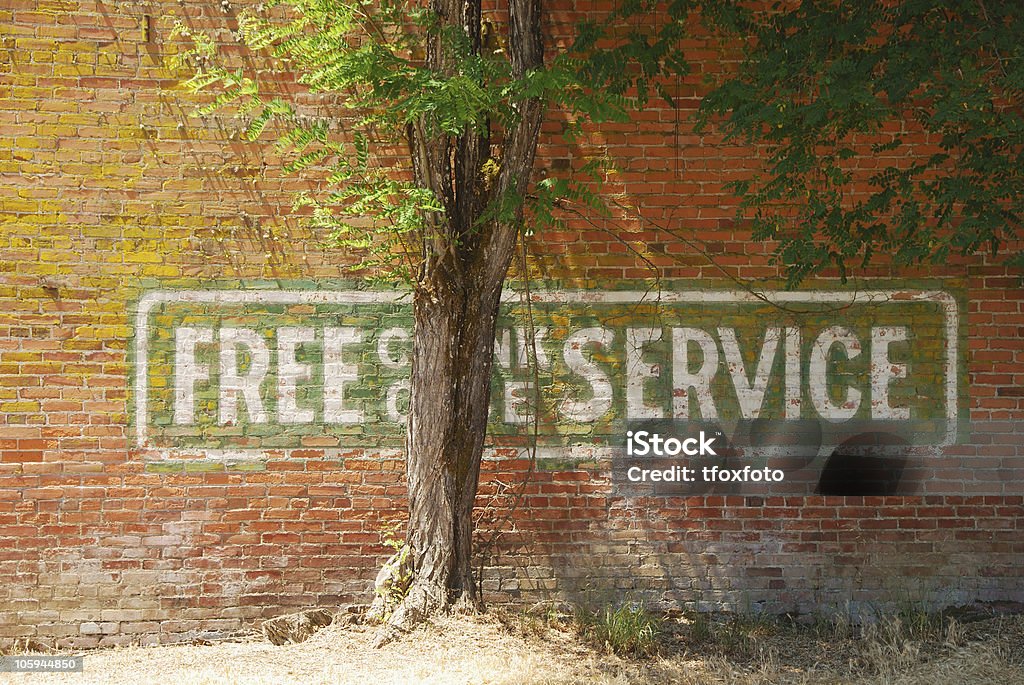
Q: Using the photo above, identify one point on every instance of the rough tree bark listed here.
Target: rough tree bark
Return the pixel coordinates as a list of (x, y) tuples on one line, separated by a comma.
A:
[(455, 304)]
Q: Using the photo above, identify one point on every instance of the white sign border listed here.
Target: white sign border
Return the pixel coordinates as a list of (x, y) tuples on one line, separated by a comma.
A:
[(151, 299)]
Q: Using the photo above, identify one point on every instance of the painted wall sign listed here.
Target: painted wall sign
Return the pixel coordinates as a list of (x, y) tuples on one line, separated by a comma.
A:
[(244, 371)]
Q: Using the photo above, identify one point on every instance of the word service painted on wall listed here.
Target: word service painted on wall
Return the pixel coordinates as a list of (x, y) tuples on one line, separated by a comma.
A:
[(255, 370)]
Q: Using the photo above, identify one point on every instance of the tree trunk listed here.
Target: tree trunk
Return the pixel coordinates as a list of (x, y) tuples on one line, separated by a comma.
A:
[(453, 349), (455, 308)]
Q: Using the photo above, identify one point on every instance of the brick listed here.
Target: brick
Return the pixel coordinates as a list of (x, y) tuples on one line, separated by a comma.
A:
[(154, 548)]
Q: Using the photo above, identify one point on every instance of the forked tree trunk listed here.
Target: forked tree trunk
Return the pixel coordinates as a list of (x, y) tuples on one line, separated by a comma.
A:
[(453, 350), (455, 308)]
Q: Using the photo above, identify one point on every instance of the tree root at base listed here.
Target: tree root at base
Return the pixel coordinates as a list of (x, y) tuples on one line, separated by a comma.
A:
[(419, 605)]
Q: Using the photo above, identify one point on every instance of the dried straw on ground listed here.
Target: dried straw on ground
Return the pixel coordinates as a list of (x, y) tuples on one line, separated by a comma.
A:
[(486, 650)]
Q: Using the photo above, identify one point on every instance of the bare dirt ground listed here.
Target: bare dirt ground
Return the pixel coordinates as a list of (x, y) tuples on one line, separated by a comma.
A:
[(517, 649)]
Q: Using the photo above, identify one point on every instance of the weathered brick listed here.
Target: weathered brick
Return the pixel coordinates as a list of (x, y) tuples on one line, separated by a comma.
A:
[(104, 542)]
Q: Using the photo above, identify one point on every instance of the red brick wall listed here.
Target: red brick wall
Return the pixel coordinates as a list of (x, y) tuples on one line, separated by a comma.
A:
[(108, 188)]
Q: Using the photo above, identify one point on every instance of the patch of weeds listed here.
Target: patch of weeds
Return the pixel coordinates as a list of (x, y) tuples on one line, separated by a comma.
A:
[(830, 625), (919, 623), (732, 634), (536, 621), (896, 641), (626, 629), (887, 647), (392, 584), (699, 626), (739, 633), (841, 625)]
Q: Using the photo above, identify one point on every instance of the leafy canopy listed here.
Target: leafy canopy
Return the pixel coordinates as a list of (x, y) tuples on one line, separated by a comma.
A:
[(369, 58), (821, 76), (819, 80)]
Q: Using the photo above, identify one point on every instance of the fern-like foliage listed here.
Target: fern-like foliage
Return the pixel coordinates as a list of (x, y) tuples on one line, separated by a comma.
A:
[(934, 85), (367, 60)]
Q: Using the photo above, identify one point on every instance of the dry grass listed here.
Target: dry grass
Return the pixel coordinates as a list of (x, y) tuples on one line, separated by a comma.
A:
[(513, 650)]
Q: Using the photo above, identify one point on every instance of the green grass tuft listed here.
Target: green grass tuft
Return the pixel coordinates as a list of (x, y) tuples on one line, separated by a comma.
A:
[(627, 629)]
